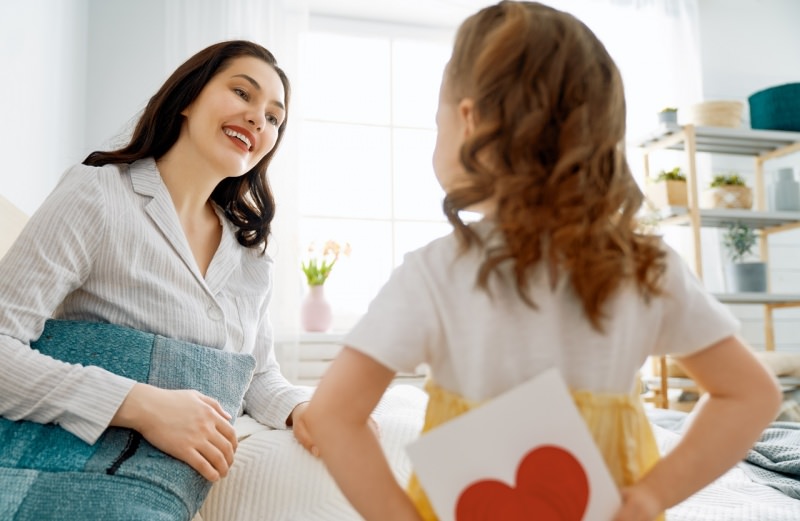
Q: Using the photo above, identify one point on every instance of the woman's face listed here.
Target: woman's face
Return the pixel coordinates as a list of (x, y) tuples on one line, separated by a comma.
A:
[(234, 121)]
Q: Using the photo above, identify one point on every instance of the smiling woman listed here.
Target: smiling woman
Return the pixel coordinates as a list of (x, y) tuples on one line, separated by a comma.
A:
[(167, 236)]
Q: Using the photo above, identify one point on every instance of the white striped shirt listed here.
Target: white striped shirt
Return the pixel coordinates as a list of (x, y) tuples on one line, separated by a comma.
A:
[(107, 245)]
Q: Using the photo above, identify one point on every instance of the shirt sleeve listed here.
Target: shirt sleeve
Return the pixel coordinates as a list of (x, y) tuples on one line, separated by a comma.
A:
[(693, 319), (52, 257), (271, 398)]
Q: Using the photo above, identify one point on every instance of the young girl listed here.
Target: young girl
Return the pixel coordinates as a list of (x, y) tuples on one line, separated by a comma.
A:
[(531, 127), (166, 235)]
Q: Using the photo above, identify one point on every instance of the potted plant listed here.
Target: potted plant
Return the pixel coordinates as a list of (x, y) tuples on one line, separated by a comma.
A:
[(668, 116), (668, 189), (743, 275), (315, 312), (728, 191)]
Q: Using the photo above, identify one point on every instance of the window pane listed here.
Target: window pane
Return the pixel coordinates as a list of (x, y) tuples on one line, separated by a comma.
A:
[(416, 75), (356, 279), (346, 78), (345, 171), (417, 192)]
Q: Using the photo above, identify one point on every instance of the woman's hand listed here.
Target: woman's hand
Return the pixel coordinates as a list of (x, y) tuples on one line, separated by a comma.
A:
[(185, 424), (302, 435)]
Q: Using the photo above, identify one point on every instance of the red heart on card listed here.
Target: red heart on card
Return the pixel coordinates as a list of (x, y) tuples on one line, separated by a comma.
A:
[(551, 486)]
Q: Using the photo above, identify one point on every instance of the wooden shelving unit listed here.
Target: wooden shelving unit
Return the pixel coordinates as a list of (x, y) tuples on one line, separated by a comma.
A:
[(762, 145)]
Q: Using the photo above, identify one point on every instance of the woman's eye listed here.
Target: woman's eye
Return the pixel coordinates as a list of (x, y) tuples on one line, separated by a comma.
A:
[(273, 120), (241, 93)]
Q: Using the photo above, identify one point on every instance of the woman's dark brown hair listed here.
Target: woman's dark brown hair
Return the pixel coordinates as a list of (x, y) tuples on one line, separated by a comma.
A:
[(246, 200), (548, 148)]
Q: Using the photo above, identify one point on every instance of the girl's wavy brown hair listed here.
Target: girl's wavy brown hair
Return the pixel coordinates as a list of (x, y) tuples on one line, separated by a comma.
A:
[(548, 148)]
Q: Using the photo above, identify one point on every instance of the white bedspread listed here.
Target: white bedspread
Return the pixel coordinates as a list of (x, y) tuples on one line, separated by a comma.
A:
[(274, 479), (732, 497)]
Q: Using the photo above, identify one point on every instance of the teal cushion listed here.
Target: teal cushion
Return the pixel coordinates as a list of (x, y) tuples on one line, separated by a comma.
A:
[(46, 471)]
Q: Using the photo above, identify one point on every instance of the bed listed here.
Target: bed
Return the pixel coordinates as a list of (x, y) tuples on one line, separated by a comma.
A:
[(291, 485), (274, 479)]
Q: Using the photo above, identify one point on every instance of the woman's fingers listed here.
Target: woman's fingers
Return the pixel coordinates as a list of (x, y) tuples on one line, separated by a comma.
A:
[(187, 425), (216, 406)]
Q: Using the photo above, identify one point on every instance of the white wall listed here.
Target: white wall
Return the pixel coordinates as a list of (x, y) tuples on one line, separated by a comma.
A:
[(43, 52), (126, 65)]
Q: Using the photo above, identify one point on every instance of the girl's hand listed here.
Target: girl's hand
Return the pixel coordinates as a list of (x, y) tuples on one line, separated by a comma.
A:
[(639, 503), (302, 435), (185, 424), (300, 428)]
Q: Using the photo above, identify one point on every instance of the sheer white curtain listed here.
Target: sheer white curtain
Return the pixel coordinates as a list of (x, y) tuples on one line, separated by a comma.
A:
[(655, 43), (276, 24)]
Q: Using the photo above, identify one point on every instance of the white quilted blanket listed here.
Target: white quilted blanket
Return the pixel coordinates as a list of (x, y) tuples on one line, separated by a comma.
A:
[(274, 479), (732, 497)]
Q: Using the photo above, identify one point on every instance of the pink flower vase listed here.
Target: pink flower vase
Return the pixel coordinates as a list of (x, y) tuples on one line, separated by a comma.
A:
[(315, 311)]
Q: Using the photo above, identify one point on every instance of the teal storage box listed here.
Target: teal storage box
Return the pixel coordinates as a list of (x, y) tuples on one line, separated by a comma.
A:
[(776, 108)]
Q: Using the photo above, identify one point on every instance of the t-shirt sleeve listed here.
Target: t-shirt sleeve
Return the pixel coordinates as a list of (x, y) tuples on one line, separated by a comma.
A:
[(399, 326), (693, 319)]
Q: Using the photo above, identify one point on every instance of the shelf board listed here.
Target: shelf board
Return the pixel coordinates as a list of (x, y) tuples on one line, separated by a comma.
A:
[(787, 383), (758, 298), (722, 217), (733, 141)]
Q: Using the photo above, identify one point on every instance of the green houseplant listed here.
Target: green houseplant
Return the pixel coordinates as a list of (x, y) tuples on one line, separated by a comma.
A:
[(318, 265), (728, 190), (743, 276), (676, 174), (668, 116), (668, 189)]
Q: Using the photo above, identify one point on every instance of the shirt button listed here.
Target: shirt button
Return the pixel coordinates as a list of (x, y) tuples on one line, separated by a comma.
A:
[(214, 313)]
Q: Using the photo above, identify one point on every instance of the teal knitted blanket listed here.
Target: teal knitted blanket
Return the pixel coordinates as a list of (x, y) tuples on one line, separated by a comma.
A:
[(48, 473)]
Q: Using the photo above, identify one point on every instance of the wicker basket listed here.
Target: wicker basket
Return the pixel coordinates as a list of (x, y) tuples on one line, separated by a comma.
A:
[(716, 114), (727, 197), (776, 108), (667, 193)]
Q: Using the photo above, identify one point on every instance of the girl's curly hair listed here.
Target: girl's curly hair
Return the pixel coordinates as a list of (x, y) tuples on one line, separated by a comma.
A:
[(547, 147)]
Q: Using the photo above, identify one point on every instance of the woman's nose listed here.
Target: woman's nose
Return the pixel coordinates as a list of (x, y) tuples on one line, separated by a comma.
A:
[(258, 121)]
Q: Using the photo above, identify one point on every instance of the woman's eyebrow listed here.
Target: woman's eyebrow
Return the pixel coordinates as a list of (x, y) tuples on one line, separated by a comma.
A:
[(257, 86), (250, 79)]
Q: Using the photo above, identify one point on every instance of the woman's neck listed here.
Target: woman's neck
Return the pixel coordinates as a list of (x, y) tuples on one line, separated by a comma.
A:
[(189, 188)]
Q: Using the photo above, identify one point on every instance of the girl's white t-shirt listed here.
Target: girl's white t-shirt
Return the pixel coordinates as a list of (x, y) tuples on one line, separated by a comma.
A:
[(480, 344)]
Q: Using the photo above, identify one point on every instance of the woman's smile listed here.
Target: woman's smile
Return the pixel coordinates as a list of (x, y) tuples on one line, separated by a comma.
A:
[(241, 137)]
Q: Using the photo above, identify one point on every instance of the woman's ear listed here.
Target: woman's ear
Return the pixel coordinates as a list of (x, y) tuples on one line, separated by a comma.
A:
[(466, 111)]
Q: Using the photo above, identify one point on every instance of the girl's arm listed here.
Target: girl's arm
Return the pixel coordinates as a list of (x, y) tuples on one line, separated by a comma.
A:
[(337, 419), (742, 399)]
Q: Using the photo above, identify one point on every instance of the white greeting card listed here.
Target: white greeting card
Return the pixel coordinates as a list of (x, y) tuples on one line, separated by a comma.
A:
[(526, 454)]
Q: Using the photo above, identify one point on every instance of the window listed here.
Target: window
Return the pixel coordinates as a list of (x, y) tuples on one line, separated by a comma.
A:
[(368, 104)]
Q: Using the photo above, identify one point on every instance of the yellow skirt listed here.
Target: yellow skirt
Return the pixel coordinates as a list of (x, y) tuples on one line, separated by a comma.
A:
[(617, 422)]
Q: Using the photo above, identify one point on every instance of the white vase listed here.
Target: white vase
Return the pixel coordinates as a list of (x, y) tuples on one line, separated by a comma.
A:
[(315, 311), (784, 192)]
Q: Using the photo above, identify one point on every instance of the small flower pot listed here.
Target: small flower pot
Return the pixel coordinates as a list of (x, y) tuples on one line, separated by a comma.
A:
[(663, 194), (728, 197), (668, 118), (745, 277)]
